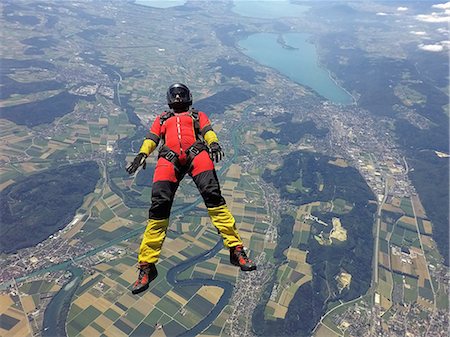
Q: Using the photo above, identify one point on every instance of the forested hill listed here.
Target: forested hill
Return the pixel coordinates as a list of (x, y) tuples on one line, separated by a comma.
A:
[(43, 203)]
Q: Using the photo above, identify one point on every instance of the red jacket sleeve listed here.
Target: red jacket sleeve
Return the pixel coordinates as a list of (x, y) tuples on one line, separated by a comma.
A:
[(205, 124), (155, 131)]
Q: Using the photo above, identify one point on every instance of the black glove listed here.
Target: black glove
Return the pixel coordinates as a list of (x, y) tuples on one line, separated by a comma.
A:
[(138, 161), (215, 152)]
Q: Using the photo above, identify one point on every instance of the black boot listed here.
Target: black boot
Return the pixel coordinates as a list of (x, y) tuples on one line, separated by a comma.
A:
[(238, 257), (147, 273)]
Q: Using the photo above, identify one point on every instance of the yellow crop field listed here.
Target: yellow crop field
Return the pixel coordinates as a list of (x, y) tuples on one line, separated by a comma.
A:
[(384, 259), (112, 224), (323, 331), (175, 245), (177, 298), (425, 303), (234, 171), (427, 226), (400, 266), (385, 287), (428, 242), (6, 184), (230, 184), (5, 302), (396, 202), (211, 293), (28, 303), (228, 270), (90, 331), (280, 311), (113, 200), (422, 270), (338, 162), (418, 207), (85, 300), (74, 230), (408, 220), (115, 332), (392, 208), (294, 254), (386, 303), (103, 321), (129, 274)]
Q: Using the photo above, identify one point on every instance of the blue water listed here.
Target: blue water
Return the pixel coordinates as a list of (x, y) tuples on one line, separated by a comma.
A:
[(55, 315), (268, 9), (161, 4), (300, 64)]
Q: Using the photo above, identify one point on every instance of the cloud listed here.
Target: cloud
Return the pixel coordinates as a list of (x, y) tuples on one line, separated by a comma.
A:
[(437, 17), (442, 30), (431, 47), (418, 33), (442, 6), (402, 9), (381, 14), (433, 17)]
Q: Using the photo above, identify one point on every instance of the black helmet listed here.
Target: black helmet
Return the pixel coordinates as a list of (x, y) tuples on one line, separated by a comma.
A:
[(179, 96)]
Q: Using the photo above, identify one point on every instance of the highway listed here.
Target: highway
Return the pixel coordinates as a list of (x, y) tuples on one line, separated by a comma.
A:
[(377, 234)]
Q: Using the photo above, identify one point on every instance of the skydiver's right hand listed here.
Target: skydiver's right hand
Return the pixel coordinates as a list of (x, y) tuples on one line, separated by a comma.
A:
[(138, 161)]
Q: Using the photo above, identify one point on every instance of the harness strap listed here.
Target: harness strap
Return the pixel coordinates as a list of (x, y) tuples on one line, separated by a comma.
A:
[(165, 116), (169, 155), (194, 114), (191, 153)]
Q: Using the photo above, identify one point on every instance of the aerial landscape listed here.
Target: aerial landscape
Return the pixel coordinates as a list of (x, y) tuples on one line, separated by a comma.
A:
[(334, 120)]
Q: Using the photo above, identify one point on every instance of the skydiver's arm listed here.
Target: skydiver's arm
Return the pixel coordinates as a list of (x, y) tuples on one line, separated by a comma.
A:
[(151, 141), (215, 151), (149, 144), (206, 129)]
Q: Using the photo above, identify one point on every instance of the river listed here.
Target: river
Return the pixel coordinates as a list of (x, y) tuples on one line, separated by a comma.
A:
[(55, 315), (227, 287)]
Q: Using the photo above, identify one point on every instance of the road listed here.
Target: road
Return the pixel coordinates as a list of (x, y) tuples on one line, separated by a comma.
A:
[(331, 311), (377, 235)]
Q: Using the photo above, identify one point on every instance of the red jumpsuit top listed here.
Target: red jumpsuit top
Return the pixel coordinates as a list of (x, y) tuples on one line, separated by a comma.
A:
[(178, 132)]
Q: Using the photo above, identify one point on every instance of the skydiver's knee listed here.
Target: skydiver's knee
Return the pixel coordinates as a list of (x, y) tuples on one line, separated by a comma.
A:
[(213, 199)]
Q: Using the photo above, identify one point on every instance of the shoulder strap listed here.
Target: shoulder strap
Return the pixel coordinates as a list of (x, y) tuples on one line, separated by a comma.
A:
[(194, 114), (165, 116)]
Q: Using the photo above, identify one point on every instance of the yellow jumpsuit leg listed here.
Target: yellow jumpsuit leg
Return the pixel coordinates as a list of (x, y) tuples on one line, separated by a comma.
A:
[(151, 244), (223, 220)]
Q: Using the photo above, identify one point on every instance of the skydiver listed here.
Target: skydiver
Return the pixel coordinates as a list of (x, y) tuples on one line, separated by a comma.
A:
[(189, 146)]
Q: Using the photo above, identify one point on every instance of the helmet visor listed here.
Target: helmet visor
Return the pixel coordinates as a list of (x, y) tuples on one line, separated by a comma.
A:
[(179, 93)]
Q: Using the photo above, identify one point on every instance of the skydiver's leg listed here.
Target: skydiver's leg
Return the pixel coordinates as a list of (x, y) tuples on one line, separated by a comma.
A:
[(205, 177), (165, 184)]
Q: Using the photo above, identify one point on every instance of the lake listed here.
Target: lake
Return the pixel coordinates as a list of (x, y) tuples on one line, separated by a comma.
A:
[(297, 58), (268, 9), (161, 4)]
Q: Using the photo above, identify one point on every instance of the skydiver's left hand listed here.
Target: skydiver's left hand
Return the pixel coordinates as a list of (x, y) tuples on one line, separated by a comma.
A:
[(215, 152)]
